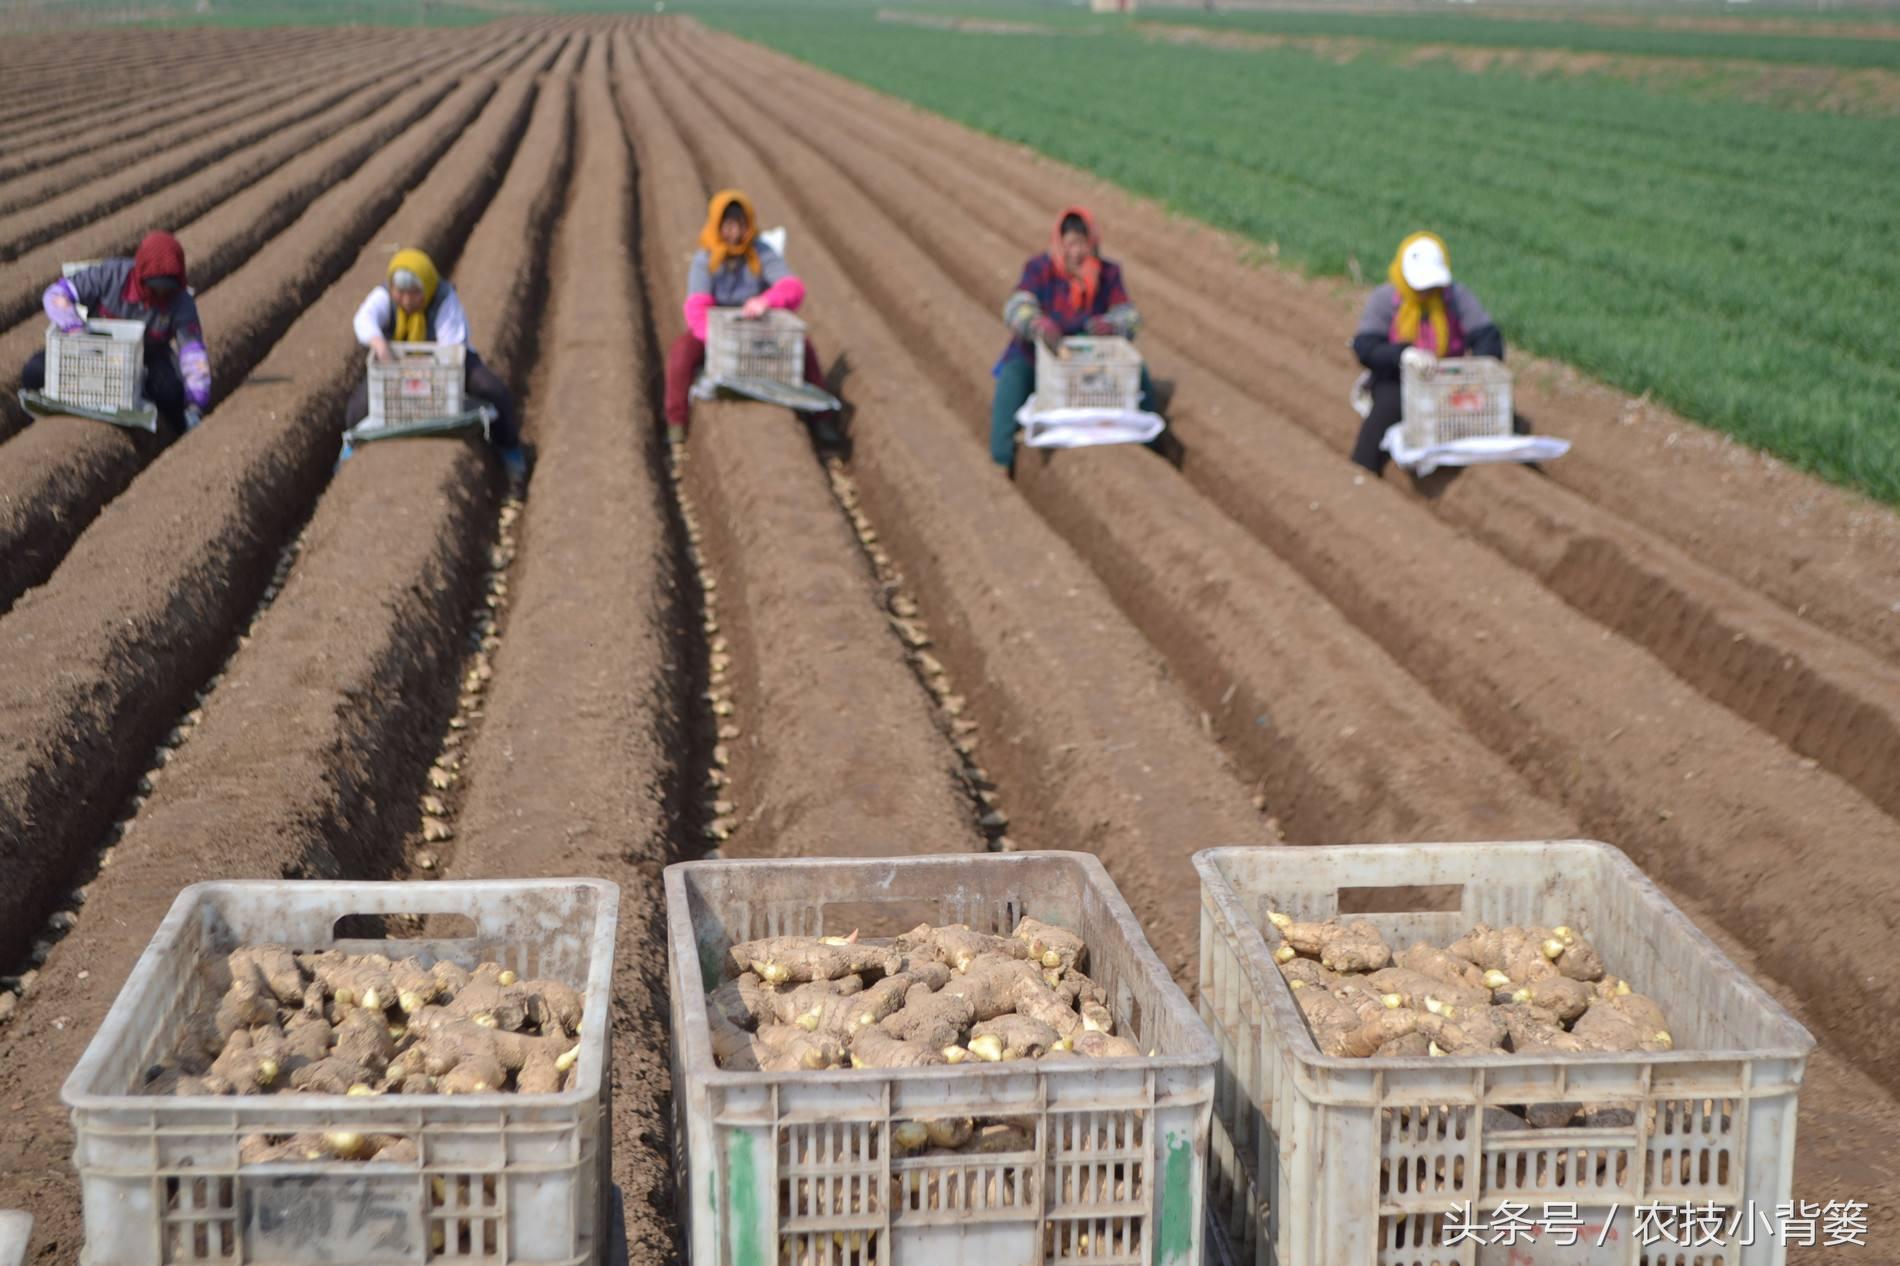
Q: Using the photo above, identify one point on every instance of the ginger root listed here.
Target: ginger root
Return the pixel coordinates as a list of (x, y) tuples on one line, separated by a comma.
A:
[(1051, 947), (1022, 1037), (1352, 947), (783, 960)]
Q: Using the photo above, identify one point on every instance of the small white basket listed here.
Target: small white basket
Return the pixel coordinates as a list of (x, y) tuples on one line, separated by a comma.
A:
[(1463, 398), (422, 383), (771, 347), (501, 1179), (1358, 1162), (796, 1168), (99, 369), (1091, 373)]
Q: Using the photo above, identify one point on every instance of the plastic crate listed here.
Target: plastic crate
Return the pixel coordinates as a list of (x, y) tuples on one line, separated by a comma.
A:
[(794, 1169), (1091, 373), (1352, 1162), (1463, 398), (771, 347), (501, 1177), (423, 383), (100, 369)]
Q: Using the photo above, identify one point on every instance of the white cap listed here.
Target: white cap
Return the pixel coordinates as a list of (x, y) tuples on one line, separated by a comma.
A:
[(1424, 265)]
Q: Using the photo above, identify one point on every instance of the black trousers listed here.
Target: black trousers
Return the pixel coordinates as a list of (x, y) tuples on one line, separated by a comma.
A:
[(161, 385), (1385, 413), (481, 382)]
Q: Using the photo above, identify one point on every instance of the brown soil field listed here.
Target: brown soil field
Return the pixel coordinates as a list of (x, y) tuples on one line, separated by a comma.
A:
[(225, 656)]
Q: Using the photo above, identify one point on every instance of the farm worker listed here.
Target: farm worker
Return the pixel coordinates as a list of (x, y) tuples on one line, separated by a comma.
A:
[(734, 269), (1068, 289), (417, 305), (150, 288), (1417, 316)]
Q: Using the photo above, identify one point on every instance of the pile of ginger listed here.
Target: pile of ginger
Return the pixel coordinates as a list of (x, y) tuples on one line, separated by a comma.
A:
[(1515, 989), (329, 1022), (934, 995)]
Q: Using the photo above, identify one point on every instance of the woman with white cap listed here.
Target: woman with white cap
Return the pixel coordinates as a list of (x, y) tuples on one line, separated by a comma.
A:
[(1417, 316)]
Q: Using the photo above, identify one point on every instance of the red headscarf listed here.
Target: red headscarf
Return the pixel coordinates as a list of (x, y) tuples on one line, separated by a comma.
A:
[(159, 255), (1083, 282)]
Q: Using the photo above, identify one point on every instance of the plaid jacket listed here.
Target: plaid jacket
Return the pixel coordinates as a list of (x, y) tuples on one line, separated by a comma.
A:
[(1041, 291)]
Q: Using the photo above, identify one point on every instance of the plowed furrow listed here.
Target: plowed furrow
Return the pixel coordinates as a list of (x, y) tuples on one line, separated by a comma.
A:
[(97, 667), (149, 60), (576, 768), (1069, 696), (1341, 743), (273, 110), (93, 145), (1829, 699), (204, 109), (58, 475), (797, 607)]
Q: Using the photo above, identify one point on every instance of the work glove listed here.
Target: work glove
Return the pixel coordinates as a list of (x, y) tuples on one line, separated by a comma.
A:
[(1049, 333), (1418, 360), (1102, 327), (193, 416)]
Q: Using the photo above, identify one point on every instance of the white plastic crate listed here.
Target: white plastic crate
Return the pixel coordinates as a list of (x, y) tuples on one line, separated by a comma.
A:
[(1351, 1162), (1463, 398), (795, 1169), (423, 383), (501, 1178), (99, 369), (771, 347), (1091, 373)]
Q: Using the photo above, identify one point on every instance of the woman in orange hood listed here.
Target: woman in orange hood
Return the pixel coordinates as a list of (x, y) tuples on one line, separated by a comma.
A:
[(734, 269)]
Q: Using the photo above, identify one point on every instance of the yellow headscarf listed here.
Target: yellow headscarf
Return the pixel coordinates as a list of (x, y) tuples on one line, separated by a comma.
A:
[(1415, 307), (716, 248), (413, 327)]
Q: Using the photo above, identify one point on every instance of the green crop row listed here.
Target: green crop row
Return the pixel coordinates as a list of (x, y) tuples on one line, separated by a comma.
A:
[(1734, 261)]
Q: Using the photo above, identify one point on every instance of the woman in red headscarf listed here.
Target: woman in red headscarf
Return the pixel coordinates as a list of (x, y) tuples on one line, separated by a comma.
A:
[(1068, 289), (149, 288)]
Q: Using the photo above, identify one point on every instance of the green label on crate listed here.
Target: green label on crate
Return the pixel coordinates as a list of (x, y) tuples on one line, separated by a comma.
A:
[(1175, 1238), (742, 1200)]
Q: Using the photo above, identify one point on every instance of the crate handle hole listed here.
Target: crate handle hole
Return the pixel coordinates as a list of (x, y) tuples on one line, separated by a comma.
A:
[(440, 926), (1406, 899)]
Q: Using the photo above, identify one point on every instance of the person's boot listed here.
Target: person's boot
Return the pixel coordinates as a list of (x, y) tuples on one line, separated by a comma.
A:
[(826, 433)]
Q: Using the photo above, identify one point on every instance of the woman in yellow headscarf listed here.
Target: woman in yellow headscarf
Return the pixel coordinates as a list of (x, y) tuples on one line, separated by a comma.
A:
[(415, 305), (1417, 316), (734, 269)]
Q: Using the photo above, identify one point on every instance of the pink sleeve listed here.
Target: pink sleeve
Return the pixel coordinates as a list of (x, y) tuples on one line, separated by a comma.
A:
[(697, 306), (787, 293)]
